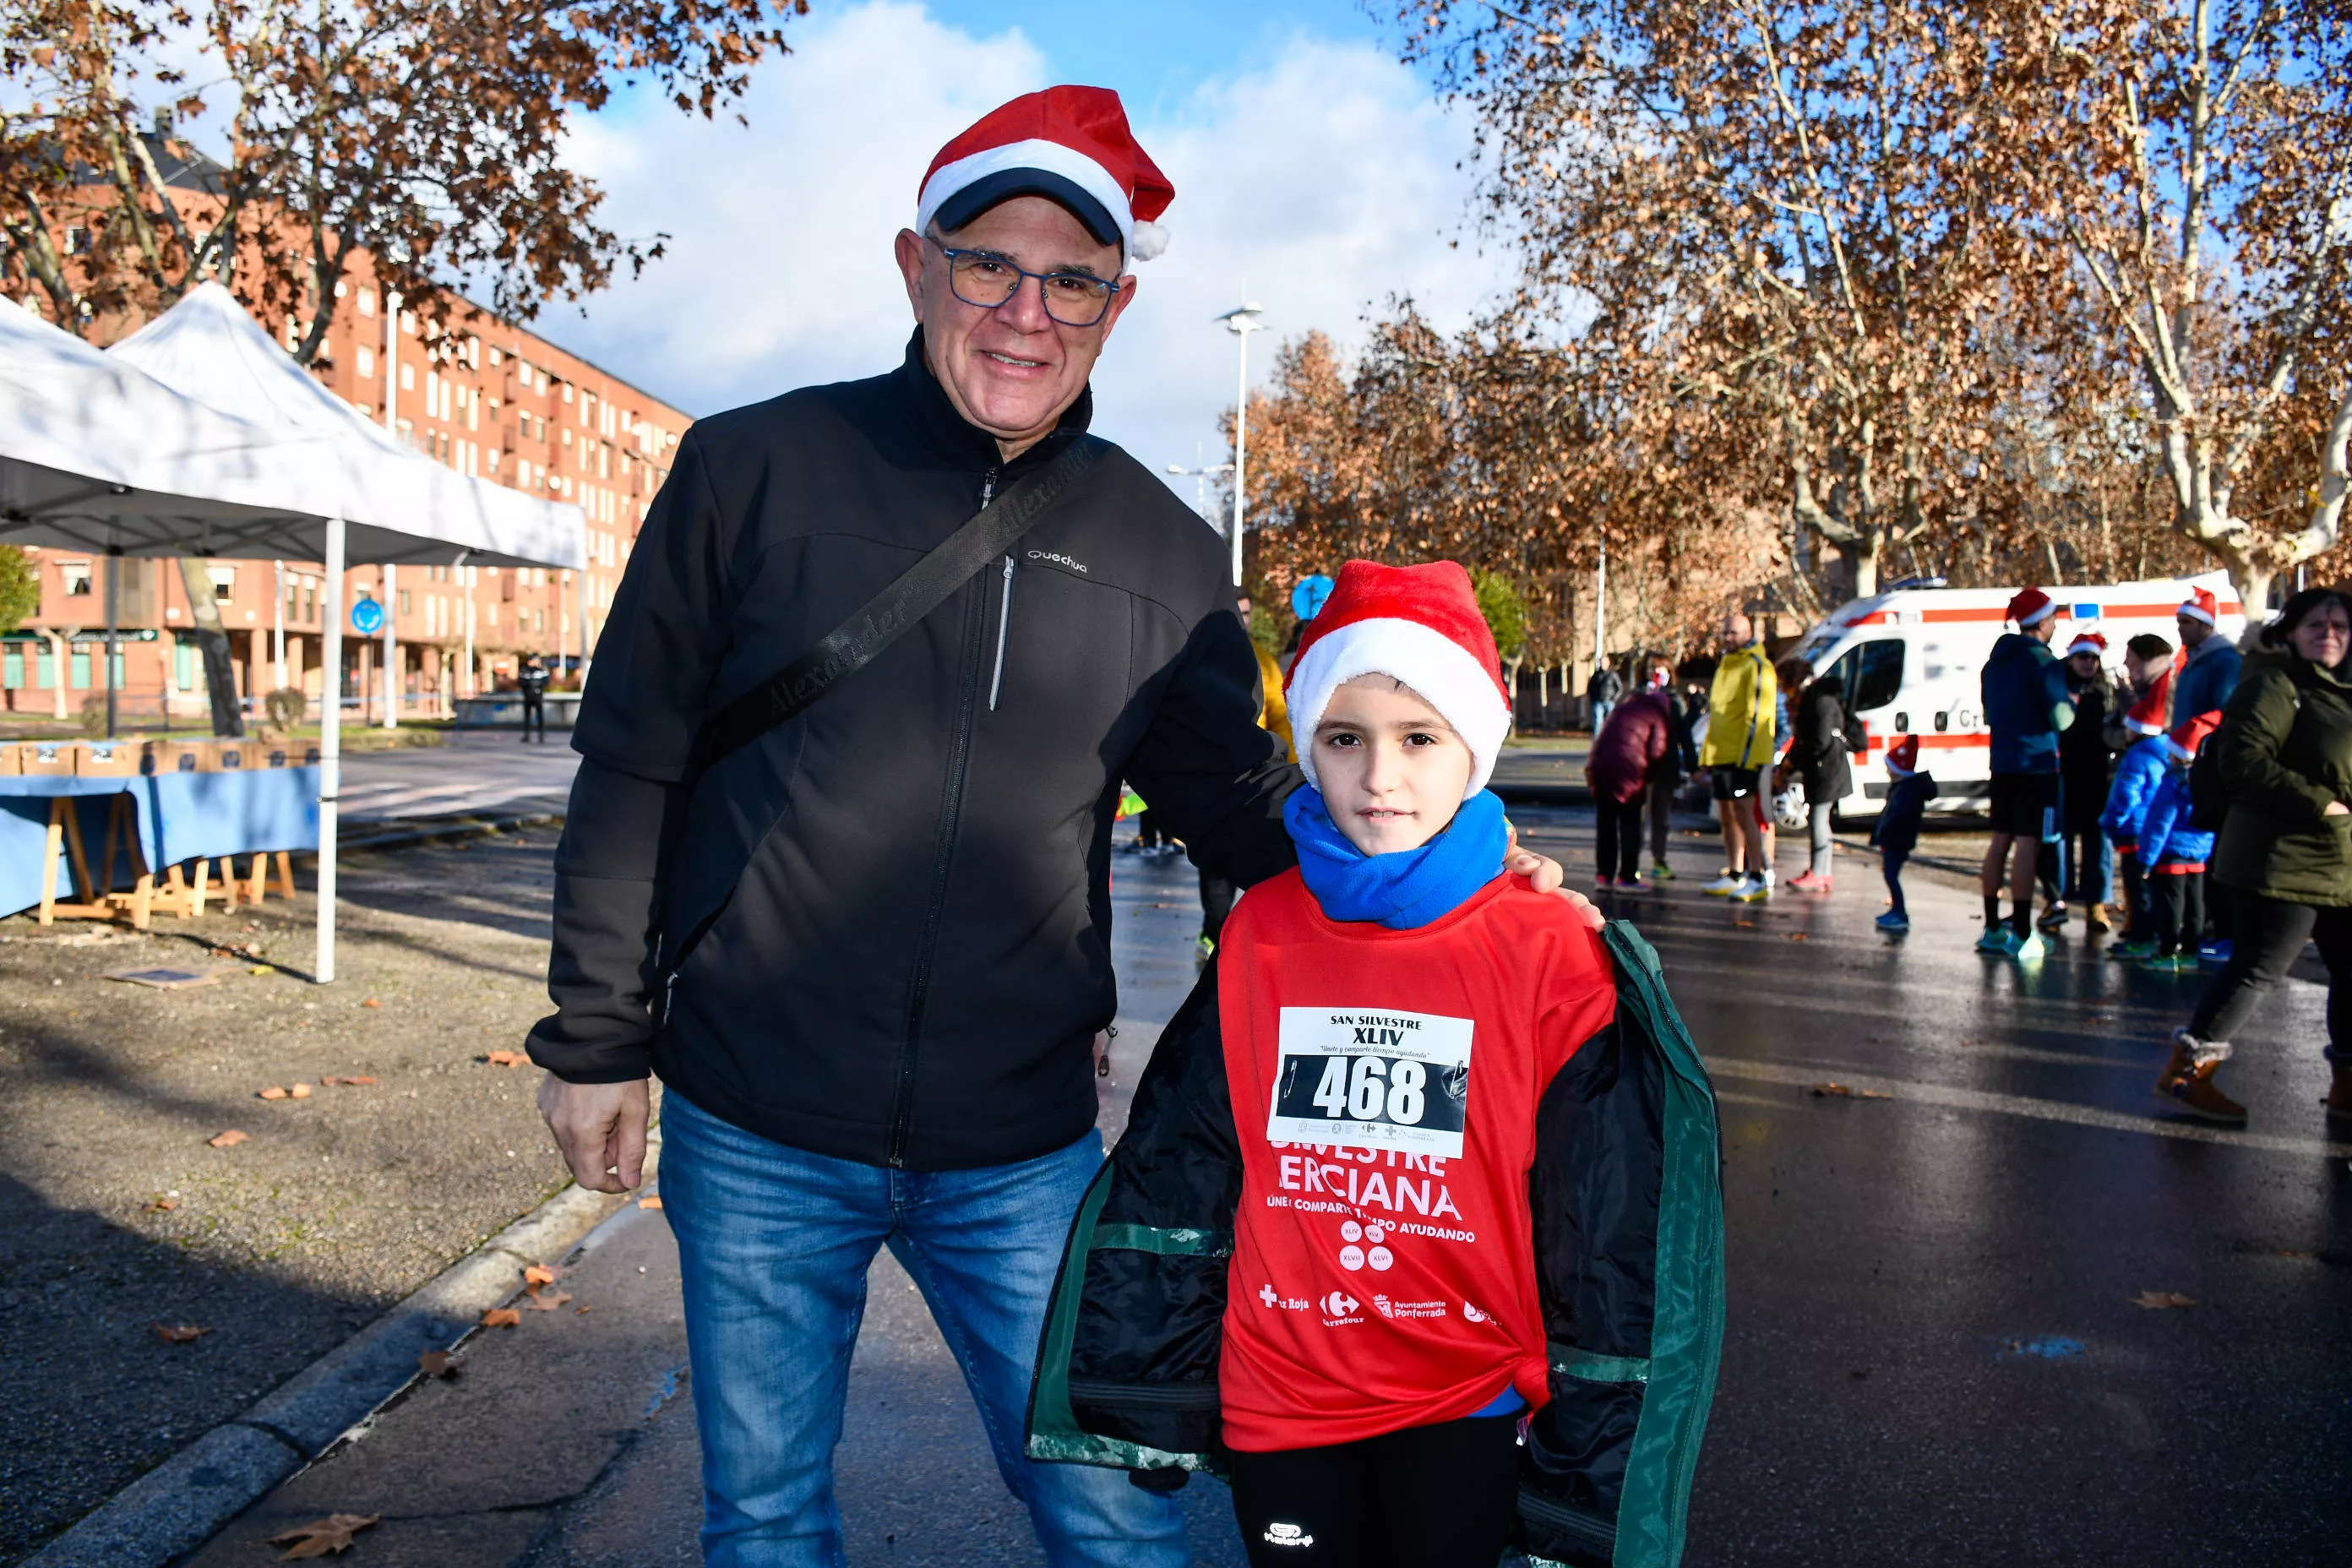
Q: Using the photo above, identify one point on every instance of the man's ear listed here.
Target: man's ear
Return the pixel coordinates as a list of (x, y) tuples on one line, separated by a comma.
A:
[(907, 251), (1119, 302)]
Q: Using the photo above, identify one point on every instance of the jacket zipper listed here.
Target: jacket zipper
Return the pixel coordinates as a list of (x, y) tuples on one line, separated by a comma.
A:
[(902, 1113), (1003, 629)]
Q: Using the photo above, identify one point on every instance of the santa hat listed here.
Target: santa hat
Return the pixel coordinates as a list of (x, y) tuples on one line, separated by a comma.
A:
[(2148, 716), (2086, 642), (2200, 605), (2029, 605), (1903, 757), (1418, 625), (1069, 145), (2190, 733)]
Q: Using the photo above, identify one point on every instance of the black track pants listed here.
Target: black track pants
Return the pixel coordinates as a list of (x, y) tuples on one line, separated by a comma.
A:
[(1427, 1497), (1618, 835), (2269, 938)]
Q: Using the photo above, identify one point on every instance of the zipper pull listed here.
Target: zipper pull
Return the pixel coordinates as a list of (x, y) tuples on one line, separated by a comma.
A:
[(670, 997), (988, 486)]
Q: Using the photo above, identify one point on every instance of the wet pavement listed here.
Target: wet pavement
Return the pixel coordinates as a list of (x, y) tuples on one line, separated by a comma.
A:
[(1935, 1353)]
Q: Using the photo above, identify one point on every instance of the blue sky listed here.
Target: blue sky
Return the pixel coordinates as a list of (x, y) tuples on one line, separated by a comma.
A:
[(1312, 170)]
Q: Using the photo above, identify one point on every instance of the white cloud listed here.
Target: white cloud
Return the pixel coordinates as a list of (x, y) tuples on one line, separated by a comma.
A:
[(1323, 179)]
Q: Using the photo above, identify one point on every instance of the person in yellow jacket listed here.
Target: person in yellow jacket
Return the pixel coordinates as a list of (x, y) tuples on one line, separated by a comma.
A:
[(1737, 753), (1274, 715)]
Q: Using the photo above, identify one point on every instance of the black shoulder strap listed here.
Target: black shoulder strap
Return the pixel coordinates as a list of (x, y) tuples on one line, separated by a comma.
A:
[(883, 619)]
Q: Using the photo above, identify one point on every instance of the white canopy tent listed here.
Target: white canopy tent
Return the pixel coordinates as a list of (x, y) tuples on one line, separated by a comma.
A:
[(97, 454)]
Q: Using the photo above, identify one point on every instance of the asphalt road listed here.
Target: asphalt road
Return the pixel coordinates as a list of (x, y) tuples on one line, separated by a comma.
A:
[(475, 773), (1935, 1351)]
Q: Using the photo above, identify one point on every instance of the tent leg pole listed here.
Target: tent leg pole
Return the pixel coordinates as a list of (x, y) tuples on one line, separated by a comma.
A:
[(330, 740)]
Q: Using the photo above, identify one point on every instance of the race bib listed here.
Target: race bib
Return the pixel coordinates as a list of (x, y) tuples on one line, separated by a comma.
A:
[(1371, 1081)]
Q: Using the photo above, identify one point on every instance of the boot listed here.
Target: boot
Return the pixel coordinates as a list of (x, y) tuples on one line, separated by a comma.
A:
[(2097, 919), (2187, 1080), (2339, 1093)]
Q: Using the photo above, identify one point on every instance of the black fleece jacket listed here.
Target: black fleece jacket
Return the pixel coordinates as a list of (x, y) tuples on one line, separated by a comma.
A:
[(882, 932)]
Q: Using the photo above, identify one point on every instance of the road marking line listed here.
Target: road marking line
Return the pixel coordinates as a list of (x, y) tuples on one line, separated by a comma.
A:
[(2025, 1105)]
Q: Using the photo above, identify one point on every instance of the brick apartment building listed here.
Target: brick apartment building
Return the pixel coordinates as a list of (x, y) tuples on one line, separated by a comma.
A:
[(489, 398)]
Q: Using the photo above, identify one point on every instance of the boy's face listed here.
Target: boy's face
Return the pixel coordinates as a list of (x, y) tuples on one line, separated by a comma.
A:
[(1392, 770)]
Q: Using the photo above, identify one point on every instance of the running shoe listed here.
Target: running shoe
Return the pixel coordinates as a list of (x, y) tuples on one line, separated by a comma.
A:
[(1604, 883), (1894, 921), (1632, 885), (1998, 939), (1662, 872), (1806, 882), (2132, 950), (1724, 885), (1753, 890), (2214, 954), (2170, 963), (1767, 877), (2029, 947), (2054, 917)]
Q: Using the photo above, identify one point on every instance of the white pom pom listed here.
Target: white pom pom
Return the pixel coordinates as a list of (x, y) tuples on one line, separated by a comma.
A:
[(1148, 241)]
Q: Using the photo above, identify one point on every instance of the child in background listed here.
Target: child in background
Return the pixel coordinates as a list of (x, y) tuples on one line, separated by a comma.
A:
[(2173, 853), (1896, 832), (1355, 1245), (2137, 774)]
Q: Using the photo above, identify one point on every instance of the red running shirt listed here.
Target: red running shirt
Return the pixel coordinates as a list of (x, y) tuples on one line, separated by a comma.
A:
[(1384, 1087)]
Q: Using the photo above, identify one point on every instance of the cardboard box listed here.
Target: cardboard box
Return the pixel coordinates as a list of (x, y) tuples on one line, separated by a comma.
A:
[(9, 766), (234, 756), (50, 759), (179, 756), (109, 759), (290, 754)]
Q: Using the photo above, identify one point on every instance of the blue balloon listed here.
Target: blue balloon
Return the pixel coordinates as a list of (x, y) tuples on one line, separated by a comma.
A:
[(367, 617), (1307, 599)]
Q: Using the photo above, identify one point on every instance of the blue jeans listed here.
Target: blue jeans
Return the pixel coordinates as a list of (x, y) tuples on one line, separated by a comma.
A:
[(773, 1245)]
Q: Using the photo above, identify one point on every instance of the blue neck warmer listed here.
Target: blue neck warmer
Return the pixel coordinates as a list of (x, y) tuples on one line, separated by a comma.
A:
[(1405, 890)]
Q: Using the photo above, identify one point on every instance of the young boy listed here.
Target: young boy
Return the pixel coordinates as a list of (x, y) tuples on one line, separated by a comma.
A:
[(2137, 775), (1351, 1248), (1896, 834), (2173, 853)]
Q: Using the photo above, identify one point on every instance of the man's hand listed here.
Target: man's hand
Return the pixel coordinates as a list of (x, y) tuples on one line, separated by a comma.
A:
[(600, 1129), (1548, 876)]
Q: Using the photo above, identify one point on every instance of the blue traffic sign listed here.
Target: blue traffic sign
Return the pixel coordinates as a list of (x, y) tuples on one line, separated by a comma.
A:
[(1307, 599), (367, 617)]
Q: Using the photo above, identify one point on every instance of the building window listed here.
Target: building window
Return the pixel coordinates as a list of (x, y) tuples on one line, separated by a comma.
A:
[(408, 323), (404, 601), (76, 577), (45, 667), (79, 240), (81, 670), (367, 301), (12, 669), (223, 580), (408, 378), (366, 362), (184, 666)]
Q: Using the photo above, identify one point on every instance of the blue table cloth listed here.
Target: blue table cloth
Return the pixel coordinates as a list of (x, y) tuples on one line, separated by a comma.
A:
[(182, 816)]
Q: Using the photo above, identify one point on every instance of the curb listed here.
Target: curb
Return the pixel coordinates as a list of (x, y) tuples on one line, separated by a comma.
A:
[(183, 1502), (472, 827)]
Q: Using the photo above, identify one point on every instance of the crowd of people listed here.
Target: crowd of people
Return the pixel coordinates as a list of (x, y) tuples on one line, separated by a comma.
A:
[(2190, 805)]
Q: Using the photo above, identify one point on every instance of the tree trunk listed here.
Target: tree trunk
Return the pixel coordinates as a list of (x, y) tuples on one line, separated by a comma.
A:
[(212, 641), (1858, 560)]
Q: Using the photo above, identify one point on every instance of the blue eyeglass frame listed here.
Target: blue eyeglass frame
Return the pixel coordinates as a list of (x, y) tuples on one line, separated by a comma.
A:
[(1112, 286)]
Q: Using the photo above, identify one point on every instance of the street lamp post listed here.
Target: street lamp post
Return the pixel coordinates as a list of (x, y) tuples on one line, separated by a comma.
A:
[(1240, 321), (1200, 477)]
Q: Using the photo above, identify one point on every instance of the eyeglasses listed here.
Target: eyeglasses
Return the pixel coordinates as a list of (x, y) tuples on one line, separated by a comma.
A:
[(986, 279)]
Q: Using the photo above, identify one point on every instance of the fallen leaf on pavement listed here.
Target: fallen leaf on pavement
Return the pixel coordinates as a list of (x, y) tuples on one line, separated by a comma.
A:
[(301, 1092), (501, 1318), (652, 1202), (437, 1364), (506, 1059), (1750, 924), (547, 1301), (371, 1002), (349, 1080), (1847, 1091), (273, 1092), (261, 969), (322, 1536), (2159, 1300), (162, 1206), (538, 1274), (178, 1333), (228, 1140), (1798, 936), (577, 1310)]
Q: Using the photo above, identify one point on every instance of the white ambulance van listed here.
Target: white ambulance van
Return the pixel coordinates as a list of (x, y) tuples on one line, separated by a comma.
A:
[(1908, 662)]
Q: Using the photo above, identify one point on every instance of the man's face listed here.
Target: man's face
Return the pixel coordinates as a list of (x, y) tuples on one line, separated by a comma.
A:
[(1012, 371), (1734, 632), (2193, 630), (2042, 630), (1242, 606)]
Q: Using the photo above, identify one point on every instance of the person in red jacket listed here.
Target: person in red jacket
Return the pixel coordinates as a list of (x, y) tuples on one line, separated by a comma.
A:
[(1629, 759), (1392, 1014)]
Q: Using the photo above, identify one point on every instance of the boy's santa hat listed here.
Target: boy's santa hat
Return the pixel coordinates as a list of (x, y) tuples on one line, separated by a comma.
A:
[(2087, 642), (2200, 605), (1418, 625), (2030, 605), (1903, 757), (1068, 144), (2149, 714), (2190, 733)]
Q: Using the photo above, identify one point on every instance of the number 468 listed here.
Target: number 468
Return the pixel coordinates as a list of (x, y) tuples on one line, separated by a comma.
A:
[(1361, 1094)]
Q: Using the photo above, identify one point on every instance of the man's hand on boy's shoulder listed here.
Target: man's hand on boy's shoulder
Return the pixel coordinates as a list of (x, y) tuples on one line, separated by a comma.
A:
[(1546, 875)]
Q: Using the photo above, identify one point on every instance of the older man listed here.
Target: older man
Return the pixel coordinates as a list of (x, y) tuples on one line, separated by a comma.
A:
[(867, 947)]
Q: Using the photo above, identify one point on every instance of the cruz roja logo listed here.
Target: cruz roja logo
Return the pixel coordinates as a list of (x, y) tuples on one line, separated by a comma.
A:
[(1273, 1298), (1287, 1535)]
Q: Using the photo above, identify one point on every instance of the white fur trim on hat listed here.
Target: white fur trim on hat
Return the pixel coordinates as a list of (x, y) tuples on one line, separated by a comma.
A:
[(2191, 610), (1051, 156), (1443, 671)]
